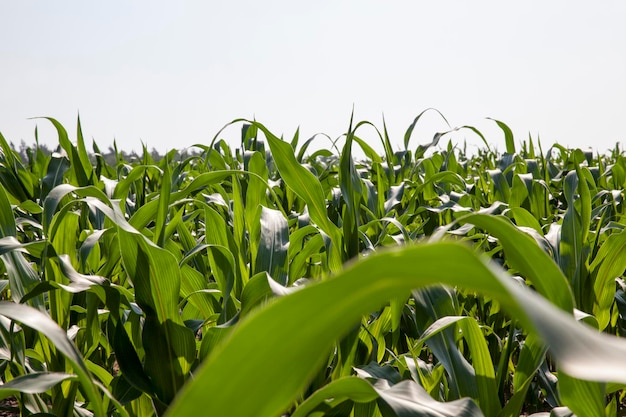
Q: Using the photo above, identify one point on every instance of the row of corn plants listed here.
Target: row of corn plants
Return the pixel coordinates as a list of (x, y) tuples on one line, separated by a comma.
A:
[(282, 278)]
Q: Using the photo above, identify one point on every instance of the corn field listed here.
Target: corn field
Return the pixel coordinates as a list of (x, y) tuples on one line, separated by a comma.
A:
[(275, 279)]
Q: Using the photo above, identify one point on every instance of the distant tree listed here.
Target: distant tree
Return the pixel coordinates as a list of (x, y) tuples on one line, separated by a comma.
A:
[(27, 153), (155, 155)]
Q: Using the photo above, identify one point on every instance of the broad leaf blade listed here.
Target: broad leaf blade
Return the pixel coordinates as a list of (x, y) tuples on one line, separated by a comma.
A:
[(338, 304), (273, 245)]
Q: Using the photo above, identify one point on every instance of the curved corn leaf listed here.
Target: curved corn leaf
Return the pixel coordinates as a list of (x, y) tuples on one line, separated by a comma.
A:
[(408, 399), (308, 187), (608, 264), (43, 323), (484, 374), (584, 398), (508, 136), (352, 388), (34, 383), (337, 304), (526, 256)]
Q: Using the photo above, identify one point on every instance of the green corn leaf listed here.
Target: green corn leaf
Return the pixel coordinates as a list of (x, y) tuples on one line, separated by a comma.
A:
[(79, 282), (221, 258), (255, 199), (403, 399), (305, 145), (336, 306), (122, 187), (368, 150), (7, 219), (301, 254), (273, 244), (437, 303), (525, 255), (530, 359), (30, 207), (409, 131), (519, 191), (169, 345), (56, 196), (41, 322), (164, 205), (388, 149), (154, 272), (584, 398), (83, 156), (571, 244), (239, 242), (22, 276), (351, 189), (608, 264), (305, 185), (57, 167), (18, 182), (255, 293), (484, 375), (193, 286), (35, 383), (408, 399), (79, 161), (126, 354), (352, 388), (508, 136), (502, 190), (524, 218)]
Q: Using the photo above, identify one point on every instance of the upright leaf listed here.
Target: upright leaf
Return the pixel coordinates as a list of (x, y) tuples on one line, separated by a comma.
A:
[(273, 245), (169, 345), (304, 183)]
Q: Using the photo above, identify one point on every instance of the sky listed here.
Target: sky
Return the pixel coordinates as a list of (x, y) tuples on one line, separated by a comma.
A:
[(172, 74)]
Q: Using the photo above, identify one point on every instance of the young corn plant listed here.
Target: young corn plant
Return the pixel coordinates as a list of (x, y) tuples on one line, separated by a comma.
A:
[(259, 280)]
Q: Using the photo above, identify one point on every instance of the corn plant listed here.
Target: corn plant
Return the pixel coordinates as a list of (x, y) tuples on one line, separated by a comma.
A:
[(259, 279)]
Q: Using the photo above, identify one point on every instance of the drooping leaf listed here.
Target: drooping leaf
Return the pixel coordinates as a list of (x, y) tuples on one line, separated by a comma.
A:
[(352, 388), (408, 399), (337, 306), (508, 136), (35, 383), (41, 322)]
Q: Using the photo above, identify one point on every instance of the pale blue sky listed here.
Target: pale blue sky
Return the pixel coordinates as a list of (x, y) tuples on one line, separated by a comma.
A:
[(171, 74)]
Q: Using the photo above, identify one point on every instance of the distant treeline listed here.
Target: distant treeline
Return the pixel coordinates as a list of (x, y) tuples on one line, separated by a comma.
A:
[(111, 156)]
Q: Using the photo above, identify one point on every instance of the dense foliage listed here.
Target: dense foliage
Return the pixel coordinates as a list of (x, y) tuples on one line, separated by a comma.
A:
[(275, 280)]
